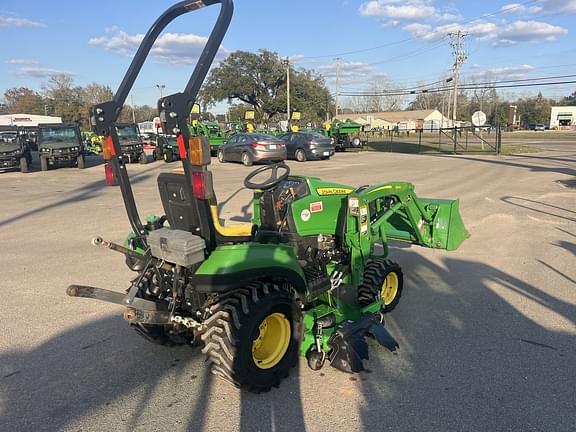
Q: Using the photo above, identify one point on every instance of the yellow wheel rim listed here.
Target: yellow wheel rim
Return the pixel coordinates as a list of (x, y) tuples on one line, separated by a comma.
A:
[(272, 342), (389, 288)]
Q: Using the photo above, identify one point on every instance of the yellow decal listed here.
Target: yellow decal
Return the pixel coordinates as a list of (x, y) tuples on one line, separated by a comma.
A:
[(333, 191), (382, 188)]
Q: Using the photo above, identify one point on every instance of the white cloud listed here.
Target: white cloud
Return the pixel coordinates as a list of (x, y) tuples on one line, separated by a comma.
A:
[(40, 72), (351, 72), (499, 34), (22, 62), (527, 31), (404, 10), (172, 48), (12, 21), (519, 8), (505, 72)]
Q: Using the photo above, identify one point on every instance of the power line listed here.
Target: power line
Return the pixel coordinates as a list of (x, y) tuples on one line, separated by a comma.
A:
[(475, 85), (465, 87)]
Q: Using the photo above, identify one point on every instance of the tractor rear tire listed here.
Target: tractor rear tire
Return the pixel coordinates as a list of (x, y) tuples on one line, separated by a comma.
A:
[(43, 163), (253, 337), (383, 279), (23, 165)]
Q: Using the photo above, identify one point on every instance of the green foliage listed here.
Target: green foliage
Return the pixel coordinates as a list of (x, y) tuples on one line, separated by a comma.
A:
[(259, 80), (534, 110)]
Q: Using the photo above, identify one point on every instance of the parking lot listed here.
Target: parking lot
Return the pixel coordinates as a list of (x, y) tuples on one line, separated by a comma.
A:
[(487, 333)]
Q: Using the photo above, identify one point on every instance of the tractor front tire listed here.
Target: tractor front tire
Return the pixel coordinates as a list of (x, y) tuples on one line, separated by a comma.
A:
[(143, 158), (383, 279), (167, 156), (253, 337)]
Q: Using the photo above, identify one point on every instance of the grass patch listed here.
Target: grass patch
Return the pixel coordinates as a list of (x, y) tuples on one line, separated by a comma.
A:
[(511, 149)]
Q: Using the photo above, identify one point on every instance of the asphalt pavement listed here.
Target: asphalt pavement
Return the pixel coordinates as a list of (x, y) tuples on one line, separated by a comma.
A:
[(487, 332)]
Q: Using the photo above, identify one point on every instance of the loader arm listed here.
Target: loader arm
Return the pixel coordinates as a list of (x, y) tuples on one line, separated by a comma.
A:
[(392, 211), (396, 213)]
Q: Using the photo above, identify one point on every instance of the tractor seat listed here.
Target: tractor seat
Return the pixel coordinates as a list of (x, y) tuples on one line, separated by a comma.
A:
[(183, 212)]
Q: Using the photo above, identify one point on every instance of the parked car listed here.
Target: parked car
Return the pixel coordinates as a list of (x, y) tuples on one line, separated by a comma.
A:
[(304, 146), (252, 147), (540, 127)]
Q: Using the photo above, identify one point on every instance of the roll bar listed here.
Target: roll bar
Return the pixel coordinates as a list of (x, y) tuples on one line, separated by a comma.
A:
[(174, 109)]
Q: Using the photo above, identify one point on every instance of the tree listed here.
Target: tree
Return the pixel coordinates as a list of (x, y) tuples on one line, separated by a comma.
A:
[(426, 101), (259, 80), (569, 100), (24, 100), (376, 100), (66, 100), (93, 94), (534, 110)]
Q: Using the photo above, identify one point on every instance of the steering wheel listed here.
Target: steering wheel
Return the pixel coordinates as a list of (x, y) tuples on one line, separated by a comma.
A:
[(272, 181)]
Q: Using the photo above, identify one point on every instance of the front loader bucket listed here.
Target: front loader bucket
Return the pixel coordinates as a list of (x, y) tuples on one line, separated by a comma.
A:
[(448, 230)]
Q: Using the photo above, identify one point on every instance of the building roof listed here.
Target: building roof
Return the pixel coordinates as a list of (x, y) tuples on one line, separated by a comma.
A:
[(392, 116)]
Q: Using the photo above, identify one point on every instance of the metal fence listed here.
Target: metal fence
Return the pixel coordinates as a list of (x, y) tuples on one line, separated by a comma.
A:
[(468, 139)]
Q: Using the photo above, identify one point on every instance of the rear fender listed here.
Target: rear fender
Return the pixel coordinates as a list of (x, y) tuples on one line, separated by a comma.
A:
[(233, 266)]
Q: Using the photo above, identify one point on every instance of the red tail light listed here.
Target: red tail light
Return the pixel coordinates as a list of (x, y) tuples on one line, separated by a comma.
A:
[(259, 146), (109, 175), (181, 148), (199, 185)]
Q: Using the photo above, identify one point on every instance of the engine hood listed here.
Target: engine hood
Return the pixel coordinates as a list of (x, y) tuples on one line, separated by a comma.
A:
[(8, 147)]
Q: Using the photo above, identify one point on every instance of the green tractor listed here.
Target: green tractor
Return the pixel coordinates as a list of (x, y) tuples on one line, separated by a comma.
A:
[(346, 135), (309, 276), (212, 130)]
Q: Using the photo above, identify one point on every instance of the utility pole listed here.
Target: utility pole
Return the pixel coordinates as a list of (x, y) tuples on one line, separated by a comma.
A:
[(287, 64), (337, 82), (133, 113), (460, 57)]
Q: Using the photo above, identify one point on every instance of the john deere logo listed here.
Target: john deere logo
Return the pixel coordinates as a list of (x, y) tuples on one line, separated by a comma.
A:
[(333, 191)]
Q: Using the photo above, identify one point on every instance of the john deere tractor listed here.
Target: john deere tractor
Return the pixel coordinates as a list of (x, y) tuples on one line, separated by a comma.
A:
[(309, 276)]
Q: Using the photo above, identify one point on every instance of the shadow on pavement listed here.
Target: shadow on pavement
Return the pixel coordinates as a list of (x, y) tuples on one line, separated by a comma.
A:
[(469, 360), (85, 192), (539, 207), (85, 369)]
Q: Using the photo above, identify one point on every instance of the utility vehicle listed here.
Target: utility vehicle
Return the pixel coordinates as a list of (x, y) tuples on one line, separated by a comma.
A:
[(131, 145), (60, 144), (14, 150), (303, 278)]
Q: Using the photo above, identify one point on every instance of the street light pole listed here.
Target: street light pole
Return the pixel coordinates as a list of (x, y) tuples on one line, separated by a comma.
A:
[(161, 87)]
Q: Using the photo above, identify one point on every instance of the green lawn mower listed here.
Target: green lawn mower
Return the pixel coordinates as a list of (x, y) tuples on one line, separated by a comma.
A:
[(303, 278)]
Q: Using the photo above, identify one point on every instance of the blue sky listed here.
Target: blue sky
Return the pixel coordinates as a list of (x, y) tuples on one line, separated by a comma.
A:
[(402, 42)]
